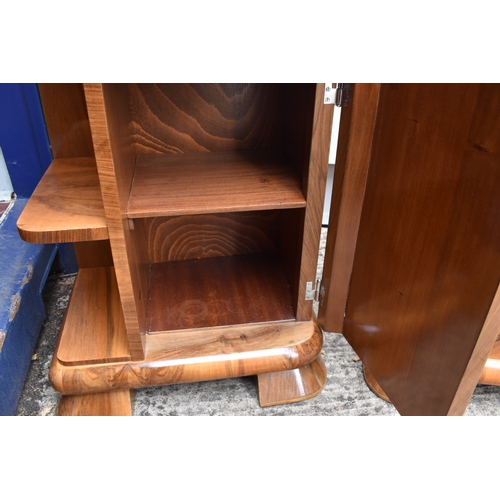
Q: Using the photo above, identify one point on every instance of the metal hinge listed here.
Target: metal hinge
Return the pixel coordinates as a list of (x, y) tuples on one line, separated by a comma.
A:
[(317, 293), (338, 95)]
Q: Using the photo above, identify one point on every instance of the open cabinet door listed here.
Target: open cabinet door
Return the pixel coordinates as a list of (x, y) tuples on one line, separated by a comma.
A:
[(412, 265)]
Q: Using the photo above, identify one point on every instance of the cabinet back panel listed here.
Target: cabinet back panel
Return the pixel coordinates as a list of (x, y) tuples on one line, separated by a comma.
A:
[(180, 118), (205, 236)]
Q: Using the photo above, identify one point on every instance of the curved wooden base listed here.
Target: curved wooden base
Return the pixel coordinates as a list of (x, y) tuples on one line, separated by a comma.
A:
[(292, 386), (374, 385)]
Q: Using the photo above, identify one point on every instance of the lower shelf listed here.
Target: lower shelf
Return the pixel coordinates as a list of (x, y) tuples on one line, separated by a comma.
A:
[(218, 291)]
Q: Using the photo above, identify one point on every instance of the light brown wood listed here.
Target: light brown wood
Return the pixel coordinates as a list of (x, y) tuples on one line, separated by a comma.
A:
[(110, 127), (66, 206), (213, 182), (93, 330), (351, 170), (197, 355), (105, 404), (316, 185), (211, 235), (292, 386)]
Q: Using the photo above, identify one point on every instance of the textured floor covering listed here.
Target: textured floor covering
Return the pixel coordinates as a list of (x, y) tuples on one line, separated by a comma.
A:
[(345, 394)]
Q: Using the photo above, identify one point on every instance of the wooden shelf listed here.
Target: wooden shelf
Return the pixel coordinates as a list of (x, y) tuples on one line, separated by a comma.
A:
[(66, 206), (213, 182), (218, 291), (93, 329)]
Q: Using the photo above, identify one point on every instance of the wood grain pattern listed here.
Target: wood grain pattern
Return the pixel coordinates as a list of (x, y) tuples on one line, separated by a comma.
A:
[(351, 170), (218, 291), (67, 120), (187, 118), (213, 182), (105, 404), (66, 206), (316, 185), (292, 386), (93, 330), (427, 262), (198, 355), (206, 236), (114, 150)]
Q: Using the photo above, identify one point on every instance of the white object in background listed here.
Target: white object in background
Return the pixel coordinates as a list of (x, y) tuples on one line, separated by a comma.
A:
[(6, 189)]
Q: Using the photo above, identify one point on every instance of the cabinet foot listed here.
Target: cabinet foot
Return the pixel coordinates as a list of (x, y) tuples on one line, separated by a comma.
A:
[(113, 403), (292, 386), (374, 385)]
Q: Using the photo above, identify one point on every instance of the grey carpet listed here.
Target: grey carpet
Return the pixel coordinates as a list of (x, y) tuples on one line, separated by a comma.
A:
[(345, 394)]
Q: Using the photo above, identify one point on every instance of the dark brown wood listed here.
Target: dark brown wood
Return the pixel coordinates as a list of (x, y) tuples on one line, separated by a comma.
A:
[(351, 169), (67, 120), (198, 183), (292, 386), (187, 118), (93, 330), (93, 254), (66, 206), (219, 291), (427, 262), (197, 355), (374, 385)]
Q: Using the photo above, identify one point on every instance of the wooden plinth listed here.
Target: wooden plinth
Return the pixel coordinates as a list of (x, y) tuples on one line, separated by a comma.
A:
[(91, 356)]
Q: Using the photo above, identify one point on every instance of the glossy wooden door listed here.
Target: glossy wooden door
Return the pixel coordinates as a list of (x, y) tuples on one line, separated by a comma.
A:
[(425, 251)]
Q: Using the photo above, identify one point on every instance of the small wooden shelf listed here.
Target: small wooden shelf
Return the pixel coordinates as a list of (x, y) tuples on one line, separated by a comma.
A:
[(66, 206), (213, 182), (218, 291)]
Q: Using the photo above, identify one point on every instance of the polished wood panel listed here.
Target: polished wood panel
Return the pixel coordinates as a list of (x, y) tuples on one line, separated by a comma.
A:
[(187, 118), (218, 291), (292, 386), (197, 355), (66, 206), (315, 185), (212, 235), (427, 261), (213, 182), (104, 404), (93, 254), (351, 170), (93, 330), (111, 132), (374, 385), (67, 120)]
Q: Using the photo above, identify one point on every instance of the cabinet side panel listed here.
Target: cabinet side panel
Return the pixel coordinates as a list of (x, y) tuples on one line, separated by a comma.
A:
[(316, 185), (67, 120), (115, 156), (427, 262)]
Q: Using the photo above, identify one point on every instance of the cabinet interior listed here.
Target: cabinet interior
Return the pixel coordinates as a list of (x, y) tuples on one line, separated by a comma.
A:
[(212, 179)]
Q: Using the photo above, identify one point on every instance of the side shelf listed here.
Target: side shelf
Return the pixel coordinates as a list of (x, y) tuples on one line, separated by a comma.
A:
[(66, 206)]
